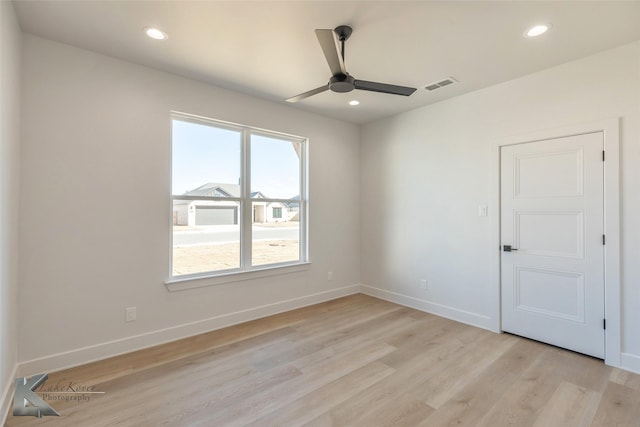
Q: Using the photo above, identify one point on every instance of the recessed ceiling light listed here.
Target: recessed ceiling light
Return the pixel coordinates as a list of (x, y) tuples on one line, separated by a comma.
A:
[(155, 33), (354, 102), (537, 30)]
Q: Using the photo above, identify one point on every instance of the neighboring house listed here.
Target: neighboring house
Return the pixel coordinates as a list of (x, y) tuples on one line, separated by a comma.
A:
[(206, 212), (294, 209), (265, 212)]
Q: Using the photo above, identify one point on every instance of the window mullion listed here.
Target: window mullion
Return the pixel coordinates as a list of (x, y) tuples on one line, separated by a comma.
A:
[(303, 212), (247, 207)]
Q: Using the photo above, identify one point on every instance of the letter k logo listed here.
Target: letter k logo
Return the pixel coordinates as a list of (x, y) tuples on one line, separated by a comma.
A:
[(24, 394)]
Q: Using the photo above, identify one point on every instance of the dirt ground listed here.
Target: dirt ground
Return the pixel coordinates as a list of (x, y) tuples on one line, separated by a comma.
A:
[(198, 259)]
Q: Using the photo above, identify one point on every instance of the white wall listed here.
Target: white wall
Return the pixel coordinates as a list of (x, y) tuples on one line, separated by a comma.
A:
[(96, 138), (10, 59), (425, 172)]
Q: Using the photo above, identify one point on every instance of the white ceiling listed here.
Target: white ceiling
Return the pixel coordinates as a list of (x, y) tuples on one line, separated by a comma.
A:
[(269, 49)]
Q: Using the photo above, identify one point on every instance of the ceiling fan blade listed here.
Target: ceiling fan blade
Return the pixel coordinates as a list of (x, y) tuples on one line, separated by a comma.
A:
[(331, 47), (384, 88), (308, 94)]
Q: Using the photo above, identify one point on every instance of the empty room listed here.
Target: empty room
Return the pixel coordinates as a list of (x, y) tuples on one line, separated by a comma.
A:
[(319, 213)]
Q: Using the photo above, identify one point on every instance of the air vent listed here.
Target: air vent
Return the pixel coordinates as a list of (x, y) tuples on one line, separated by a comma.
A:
[(442, 83)]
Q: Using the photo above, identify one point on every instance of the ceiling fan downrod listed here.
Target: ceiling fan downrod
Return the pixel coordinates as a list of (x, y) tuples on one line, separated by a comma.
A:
[(343, 32)]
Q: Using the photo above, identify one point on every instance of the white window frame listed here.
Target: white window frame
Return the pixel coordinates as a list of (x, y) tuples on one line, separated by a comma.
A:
[(246, 270)]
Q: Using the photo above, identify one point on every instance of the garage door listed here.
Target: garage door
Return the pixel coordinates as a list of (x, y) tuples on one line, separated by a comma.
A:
[(216, 215)]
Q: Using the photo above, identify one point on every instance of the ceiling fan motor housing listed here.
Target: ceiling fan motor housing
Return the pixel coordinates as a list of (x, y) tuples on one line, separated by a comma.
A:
[(342, 83), (343, 32)]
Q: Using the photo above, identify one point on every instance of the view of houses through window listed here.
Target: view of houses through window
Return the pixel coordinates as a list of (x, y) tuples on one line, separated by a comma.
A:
[(238, 197)]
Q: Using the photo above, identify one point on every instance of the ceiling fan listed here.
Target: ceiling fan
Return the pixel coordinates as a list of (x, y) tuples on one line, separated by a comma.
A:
[(332, 44)]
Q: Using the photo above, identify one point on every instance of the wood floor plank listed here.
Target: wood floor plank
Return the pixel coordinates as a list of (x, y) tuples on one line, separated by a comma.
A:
[(625, 378), (354, 361), (344, 339), (415, 341), (619, 407), (348, 317), (454, 376), (584, 371), (524, 399), (483, 391), (402, 410), (569, 406), (325, 398), (417, 369), (261, 404)]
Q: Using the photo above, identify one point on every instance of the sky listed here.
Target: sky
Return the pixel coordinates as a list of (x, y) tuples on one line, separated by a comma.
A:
[(203, 154)]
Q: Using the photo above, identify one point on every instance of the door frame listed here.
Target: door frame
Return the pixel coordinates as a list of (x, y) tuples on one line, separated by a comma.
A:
[(612, 298)]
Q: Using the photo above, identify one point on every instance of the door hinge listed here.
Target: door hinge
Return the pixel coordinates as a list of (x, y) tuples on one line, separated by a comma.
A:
[(603, 240), (603, 155), (604, 323)]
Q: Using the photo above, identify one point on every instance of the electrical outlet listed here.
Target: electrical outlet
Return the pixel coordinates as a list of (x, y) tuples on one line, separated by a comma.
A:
[(423, 284), (330, 276), (131, 314)]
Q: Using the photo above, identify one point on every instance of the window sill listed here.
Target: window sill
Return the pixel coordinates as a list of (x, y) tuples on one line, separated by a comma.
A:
[(193, 282)]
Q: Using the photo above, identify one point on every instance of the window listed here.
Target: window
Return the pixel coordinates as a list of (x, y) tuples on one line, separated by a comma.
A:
[(238, 198)]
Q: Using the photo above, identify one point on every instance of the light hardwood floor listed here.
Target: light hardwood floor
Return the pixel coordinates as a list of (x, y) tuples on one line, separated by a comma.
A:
[(355, 361)]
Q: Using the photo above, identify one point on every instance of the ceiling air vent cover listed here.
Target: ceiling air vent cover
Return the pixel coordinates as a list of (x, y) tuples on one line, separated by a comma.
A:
[(442, 83)]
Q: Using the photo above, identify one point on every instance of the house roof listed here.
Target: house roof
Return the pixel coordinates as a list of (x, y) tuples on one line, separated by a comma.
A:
[(212, 189), (294, 204)]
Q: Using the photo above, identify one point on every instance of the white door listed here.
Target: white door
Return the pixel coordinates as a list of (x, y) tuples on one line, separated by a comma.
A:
[(552, 217)]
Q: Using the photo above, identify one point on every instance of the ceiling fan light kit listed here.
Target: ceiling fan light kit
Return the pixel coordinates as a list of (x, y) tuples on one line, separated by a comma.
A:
[(332, 44)]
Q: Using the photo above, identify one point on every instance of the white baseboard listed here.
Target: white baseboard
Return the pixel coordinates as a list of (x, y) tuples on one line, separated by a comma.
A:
[(7, 395), (81, 356), (469, 318), (630, 362)]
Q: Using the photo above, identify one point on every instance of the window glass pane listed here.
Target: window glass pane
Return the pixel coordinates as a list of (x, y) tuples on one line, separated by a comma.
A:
[(206, 236), (275, 168), (206, 160), (275, 239)]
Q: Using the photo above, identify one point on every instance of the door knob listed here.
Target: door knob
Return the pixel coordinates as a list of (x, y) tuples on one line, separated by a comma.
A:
[(508, 248)]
